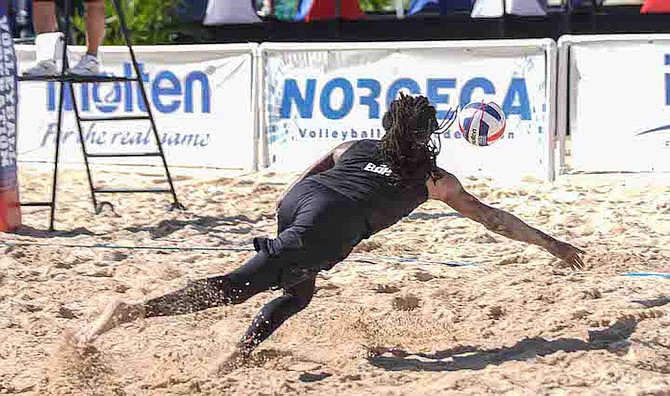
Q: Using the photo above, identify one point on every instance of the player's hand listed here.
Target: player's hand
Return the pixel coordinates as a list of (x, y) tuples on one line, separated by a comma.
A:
[(568, 253)]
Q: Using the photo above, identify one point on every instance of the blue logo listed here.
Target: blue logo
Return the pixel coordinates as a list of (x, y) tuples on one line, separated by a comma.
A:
[(166, 93), (667, 102), (305, 96), (657, 129)]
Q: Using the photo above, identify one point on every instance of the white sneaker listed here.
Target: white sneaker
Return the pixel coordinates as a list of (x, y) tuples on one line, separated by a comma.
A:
[(87, 66), (45, 68)]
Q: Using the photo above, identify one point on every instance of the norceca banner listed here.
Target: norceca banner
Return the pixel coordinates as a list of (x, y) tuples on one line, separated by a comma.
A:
[(620, 104), (201, 97), (317, 97)]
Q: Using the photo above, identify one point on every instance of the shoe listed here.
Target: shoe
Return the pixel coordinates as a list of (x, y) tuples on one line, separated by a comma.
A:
[(87, 66), (45, 68)]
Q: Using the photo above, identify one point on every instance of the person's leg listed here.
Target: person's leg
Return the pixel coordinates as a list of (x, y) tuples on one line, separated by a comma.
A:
[(95, 26), (259, 274), (47, 39), (89, 65), (323, 228), (272, 315), (44, 16)]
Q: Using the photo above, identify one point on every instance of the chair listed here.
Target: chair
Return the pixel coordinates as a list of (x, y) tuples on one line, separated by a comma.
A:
[(67, 82)]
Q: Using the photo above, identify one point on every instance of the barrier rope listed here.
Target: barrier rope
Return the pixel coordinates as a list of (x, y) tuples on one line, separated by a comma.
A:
[(644, 274), (137, 247), (211, 248)]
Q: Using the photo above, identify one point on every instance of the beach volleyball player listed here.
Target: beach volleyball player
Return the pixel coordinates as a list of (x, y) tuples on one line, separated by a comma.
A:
[(354, 191)]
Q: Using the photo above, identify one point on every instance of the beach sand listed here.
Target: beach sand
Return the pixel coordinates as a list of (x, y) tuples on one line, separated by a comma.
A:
[(515, 323)]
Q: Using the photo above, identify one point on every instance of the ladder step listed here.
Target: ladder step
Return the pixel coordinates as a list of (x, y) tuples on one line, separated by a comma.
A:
[(117, 155), (78, 79), (36, 204), (130, 190), (24, 40), (115, 118)]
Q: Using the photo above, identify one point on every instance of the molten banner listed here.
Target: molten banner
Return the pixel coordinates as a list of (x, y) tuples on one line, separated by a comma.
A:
[(10, 214), (201, 96)]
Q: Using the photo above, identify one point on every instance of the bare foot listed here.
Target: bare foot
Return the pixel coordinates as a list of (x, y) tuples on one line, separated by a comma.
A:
[(229, 361), (116, 313)]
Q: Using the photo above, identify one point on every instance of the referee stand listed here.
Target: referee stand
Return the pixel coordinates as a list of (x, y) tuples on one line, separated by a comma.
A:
[(69, 80)]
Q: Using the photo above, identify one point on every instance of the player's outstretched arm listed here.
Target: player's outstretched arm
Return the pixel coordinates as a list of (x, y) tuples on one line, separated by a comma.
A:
[(323, 164), (450, 191)]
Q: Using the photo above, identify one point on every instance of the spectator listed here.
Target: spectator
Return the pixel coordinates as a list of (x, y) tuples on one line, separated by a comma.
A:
[(44, 20)]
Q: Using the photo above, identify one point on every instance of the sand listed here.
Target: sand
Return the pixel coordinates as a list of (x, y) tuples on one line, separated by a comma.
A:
[(516, 323)]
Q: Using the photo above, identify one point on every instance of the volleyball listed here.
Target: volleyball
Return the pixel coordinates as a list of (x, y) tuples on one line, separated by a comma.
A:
[(481, 123)]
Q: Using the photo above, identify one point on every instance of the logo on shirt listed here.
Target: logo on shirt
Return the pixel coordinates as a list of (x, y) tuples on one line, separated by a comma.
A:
[(379, 169)]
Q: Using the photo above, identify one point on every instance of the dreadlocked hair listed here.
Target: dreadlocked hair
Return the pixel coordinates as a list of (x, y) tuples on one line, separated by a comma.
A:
[(406, 147)]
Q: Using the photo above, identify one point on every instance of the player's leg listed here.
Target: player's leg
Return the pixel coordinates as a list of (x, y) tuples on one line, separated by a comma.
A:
[(311, 221), (259, 274), (324, 229), (294, 299)]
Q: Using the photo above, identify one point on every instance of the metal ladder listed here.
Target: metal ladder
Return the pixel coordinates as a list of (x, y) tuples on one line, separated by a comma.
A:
[(67, 80)]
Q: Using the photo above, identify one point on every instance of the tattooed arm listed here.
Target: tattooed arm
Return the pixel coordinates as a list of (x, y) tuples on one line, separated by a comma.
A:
[(449, 190)]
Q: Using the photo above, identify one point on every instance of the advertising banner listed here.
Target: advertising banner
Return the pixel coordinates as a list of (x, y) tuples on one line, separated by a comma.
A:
[(316, 96), (619, 94), (201, 97)]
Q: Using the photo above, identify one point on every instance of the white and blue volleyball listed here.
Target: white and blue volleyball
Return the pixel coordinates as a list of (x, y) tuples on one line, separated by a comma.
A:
[(481, 123)]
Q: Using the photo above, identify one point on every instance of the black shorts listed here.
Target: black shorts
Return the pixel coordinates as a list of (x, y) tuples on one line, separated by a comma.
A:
[(317, 228)]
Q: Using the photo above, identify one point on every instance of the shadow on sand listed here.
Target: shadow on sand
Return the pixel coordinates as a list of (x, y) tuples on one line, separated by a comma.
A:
[(612, 339), (204, 224), (45, 234), (656, 302)]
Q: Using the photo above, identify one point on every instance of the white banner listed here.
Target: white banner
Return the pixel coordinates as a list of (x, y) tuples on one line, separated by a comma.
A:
[(619, 95), (319, 95), (201, 96)]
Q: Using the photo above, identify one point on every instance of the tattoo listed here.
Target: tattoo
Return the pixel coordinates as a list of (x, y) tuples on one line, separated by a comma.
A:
[(510, 226), (322, 165)]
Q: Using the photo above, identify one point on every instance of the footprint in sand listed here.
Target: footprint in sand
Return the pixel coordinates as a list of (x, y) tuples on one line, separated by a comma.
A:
[(406, 303)]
